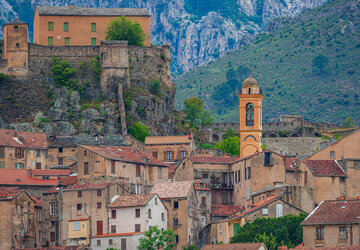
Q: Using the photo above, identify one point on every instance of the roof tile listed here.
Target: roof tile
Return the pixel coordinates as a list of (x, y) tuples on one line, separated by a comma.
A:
[(151, 140), (176, 189), (234, 246), (88, 186), (20, 177), (224, 210), (325, 167), (13, 138), (135, 200)]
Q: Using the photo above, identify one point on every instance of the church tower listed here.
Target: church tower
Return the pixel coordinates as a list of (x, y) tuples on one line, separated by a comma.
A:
[(250, 107)]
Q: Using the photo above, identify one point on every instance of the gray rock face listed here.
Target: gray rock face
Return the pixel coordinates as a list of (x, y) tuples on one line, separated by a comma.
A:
[(92, 115), (194, 40)]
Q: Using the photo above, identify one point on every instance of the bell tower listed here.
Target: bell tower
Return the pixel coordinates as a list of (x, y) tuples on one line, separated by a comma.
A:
[(250, 107)]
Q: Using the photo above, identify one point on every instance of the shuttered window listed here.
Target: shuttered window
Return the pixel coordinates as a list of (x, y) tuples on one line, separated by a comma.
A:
[(67, 41), (66, 26), (93, 27), (50, 26), (50, 40), (93, 41)]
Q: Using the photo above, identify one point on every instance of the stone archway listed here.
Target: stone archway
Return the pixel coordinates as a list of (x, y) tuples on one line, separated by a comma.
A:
[(294, 135), (215, 138), (273, 136)]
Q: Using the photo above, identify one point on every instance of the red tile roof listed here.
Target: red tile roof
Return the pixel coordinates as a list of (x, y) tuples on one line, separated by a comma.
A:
[(176, 189), (80, 219), (8, 193), (57, 172), (234, 246), (13, 138), (335, 212), (153, 140), (89, 186), (213, 159), (65, 181), (291, 164), (20, 177), (171, 171), (326, 248), (224, 210), (117, 234), (38, 202), (126, 154), (135, 200), (325, 167)]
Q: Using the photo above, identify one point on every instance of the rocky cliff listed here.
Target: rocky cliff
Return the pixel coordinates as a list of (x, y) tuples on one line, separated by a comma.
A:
[(197, 31)]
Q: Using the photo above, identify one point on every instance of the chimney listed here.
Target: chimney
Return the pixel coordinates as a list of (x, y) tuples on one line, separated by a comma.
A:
[(72, 6)]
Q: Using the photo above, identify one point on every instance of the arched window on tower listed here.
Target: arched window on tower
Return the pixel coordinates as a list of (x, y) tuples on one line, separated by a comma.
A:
[(249, 114)]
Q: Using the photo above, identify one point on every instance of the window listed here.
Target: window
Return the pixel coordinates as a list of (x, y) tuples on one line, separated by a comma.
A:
[(16, 27), (19, 153), (60, 161), (175, 222), (160, 176), (85, 153), (52, 208), (113, 214), (19, 165), (39, 215), (67, 41), (332, 154), (176, 204), (205, 175), (123, 244), (156, 201), (319, 233), (52, 236), (149, 213), (38, 165), (50, 40), (98, 242), (203, 201), (342, 179), (220, 228), (176, 238), (182, 154), (265, 211), (50, 26), (113, 229), (86, 168), (137, 213), (305, 177), (267, 158), (2, 164), (249, 91), (110, 241), (247, 173), (162, 216), (60, 149), (98, 205), (279, 210), (93, 41), (113, 167), (343, 232), (78, 206), (138, 174), (79, 194), (98, 192), (2, 152), (17, 45), (137, 227), (38, 152), (76, 225), (168, 155), (93, 27), (249, 114), (138, 189), (66, 26), (155, 154)]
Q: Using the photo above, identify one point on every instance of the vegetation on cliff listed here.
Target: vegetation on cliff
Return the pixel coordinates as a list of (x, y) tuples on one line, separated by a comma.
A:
[(308, 66)]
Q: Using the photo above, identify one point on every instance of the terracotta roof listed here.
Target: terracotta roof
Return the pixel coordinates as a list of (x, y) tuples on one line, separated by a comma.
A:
[(79, 11), (326, 248), (213, 159), (176, 189), (325, 167), (127, 154), (135, 200), (224, 210), (38, 202), (56, 172), (88, 186), (334, 212), (151, 140), (13, 138), (80, 219), (291, 164), (65, 181), (117, 234), (9, 193), (16, 21), (20, 177), (171, 171), (234, 246)]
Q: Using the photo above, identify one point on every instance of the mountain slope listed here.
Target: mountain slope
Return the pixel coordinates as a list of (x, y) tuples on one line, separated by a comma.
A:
[(198, 31), (282, 62)]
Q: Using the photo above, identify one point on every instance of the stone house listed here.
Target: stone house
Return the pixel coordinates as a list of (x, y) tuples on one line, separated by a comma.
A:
[(129, 166), (273, 206), (20, 150), (180, 199), (170, 148), (215, 172), (70, 25), (334, 223), (19, 221), (236, 246), (123, 241), (85, 211), (352, 170)]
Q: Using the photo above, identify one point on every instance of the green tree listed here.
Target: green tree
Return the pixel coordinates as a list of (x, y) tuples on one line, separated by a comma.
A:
[(205, 119), (193, 109), (349, 123), (122, 28), (157, 239), (230, 145), (206, 145), (229, 133), (319, 63), (64, 74), (155, 86), (139, 131), (268, 240)]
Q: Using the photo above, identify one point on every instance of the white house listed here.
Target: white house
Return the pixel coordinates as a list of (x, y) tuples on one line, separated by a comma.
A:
[(123, 241)]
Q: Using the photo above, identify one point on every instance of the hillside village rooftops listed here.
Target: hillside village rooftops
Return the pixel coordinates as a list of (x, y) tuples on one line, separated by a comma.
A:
[(224, 210), (50, 172), (21, 177), (334, 212), (93, 186), (158, 140), (176, 189), (125, 154), (9, 193), (325, 167), (81, 11), (19, 139), (74, 141), (136, 200)]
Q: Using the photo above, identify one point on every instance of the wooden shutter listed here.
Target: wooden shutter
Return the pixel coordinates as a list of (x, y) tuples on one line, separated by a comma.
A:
[(99, 227)]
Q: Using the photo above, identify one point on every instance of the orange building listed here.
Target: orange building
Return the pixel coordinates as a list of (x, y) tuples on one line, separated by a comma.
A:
[(250, 107), (70, 25)]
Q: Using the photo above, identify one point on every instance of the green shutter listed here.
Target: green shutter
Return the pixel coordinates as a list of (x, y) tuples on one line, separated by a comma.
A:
[(67, 41), (50, 41), (236, 228), (66, 26), (2, 164), (93, 41), (50, 26), (93, 27)]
